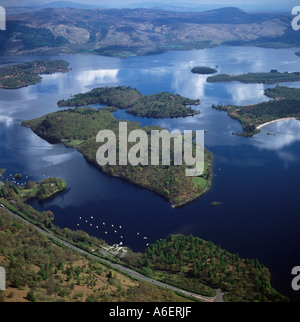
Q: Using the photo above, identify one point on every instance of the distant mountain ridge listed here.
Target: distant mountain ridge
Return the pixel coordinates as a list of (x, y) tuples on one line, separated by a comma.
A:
[(125, 32), (69, 4)]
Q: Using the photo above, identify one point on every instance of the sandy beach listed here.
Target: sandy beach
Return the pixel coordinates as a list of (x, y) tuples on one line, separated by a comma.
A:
[(286, 118)]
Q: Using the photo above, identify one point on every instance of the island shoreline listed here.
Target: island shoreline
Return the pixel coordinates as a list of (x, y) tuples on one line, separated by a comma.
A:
[(282, 119)]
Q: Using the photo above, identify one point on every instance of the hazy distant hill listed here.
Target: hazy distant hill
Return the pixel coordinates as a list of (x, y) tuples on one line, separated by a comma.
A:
[(69, 4), (140, 31)]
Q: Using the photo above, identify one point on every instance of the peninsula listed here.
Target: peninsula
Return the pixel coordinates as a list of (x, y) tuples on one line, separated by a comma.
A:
[(273, 77), (194, 264), (25, 74), (285, 104), (161, 105), (42, 190)]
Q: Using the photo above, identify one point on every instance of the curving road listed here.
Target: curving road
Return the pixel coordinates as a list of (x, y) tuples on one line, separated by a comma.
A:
[(132, 273)]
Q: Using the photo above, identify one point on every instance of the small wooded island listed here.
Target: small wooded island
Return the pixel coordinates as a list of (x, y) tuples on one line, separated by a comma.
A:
[(42, 190), (202, 70), (161, 105), (273, 77), (78, 128), (25, 74), (285, 104)]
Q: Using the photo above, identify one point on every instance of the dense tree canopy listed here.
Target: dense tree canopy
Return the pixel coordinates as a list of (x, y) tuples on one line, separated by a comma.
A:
[(21, 75)]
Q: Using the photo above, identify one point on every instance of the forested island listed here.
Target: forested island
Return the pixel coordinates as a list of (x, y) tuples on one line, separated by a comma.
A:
[(202, 70), (78, 128), (285, 104), (25, 74), (273, 77), (161, 105)]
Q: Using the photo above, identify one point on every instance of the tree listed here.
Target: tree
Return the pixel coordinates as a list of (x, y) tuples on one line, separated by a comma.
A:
[(30, 296), (195, 270), (31, 184)]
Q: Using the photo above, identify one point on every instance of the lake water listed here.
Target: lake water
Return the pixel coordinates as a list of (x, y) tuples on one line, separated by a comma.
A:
[(256, 179)]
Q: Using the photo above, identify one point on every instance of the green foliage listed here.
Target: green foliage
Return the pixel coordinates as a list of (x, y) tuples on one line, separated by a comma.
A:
[(283, 92), (120, 97), (48, 271), (272, 77), (21, 75), (161, 105), (192, 261), (42, 190), (31, 297), (40, 37), (48, 187), (164, 105), (32, 38), (18, 176)]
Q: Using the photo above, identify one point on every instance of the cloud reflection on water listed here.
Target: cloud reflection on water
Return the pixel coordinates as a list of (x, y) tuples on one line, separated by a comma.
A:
[(100, 76), (279, 136), (6, 120)]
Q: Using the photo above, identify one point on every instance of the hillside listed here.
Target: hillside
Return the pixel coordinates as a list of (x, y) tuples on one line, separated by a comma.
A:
[(125, 32), (40, 270), (197, 264)]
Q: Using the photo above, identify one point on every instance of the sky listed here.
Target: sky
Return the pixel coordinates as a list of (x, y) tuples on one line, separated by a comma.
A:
[(265, 5)]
